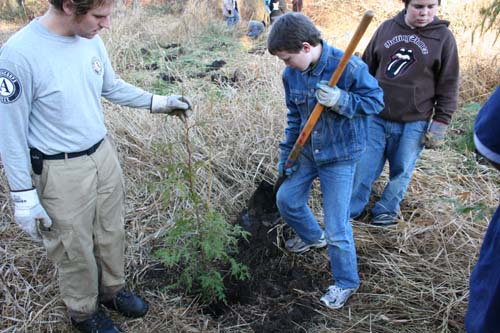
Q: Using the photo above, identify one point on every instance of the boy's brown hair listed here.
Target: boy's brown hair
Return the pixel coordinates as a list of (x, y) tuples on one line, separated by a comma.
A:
[(290, 31)]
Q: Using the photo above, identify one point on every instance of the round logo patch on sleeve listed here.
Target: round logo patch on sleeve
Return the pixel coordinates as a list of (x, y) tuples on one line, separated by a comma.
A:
[(10, 87)]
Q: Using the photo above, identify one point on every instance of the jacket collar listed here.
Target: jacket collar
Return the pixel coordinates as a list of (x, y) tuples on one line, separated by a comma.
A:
[(318, 68)]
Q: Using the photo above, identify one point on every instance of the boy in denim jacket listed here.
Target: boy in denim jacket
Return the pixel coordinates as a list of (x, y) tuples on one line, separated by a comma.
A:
[(335, 145)]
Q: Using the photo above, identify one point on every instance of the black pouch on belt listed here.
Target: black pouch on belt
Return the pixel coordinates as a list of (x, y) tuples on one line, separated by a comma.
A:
[(36, 161)]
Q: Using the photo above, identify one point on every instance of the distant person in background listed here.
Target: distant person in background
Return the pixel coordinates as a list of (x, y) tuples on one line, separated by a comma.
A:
[(330, 154), (278, 8), (268, 5), (63, 170), (297, 5), (483, 312), (255, 29), (414, 57), (230, 12)]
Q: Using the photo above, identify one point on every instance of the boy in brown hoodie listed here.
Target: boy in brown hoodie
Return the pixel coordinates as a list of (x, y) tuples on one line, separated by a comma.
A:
[(414, 57)]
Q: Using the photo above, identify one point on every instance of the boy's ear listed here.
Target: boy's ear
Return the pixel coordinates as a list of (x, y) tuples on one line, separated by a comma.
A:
[(306, 46), (68, 7)]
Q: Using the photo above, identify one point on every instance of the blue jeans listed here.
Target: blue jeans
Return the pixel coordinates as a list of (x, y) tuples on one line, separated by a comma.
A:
[(400, 144), (336, 185), (233, 20)]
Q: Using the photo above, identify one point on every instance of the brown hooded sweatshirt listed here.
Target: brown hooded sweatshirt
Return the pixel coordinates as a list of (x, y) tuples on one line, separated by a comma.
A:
[(416, 68)]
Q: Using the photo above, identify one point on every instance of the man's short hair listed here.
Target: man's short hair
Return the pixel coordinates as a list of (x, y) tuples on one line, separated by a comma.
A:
[(81, 6), (289, 32), (407, 2)]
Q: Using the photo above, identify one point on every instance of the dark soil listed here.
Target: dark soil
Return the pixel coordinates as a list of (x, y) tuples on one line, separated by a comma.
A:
[(282, 293), (277, 296)]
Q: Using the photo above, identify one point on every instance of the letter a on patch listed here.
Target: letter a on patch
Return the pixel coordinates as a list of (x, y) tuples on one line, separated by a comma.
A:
[(10, 87)]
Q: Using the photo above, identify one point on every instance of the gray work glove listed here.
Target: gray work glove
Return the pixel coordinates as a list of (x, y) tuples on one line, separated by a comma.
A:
[(434, 137), (173, 105), (28, 212), (328, 96)]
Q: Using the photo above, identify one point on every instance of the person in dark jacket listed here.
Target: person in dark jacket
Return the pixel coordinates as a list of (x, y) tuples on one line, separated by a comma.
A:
[(277, 8), (414, 57), (484, 299)]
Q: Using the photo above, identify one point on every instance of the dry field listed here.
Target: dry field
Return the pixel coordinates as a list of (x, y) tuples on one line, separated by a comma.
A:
[(414, 277)]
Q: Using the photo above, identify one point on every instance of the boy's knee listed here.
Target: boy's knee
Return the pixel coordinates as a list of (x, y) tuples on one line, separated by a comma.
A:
[(280, 199), (283, 200)]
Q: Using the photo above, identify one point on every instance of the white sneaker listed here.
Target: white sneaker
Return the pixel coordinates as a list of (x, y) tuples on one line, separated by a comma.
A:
[(336, 297), (297, 245)]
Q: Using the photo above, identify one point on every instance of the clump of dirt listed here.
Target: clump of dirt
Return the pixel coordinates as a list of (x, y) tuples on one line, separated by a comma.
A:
[(281, 295)]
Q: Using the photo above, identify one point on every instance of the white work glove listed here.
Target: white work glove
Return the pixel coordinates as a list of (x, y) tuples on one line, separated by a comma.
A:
[(28, 211), (328, 96), (173, 105)]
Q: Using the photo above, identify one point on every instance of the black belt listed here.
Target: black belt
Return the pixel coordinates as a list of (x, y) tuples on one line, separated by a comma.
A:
[(62, 156)]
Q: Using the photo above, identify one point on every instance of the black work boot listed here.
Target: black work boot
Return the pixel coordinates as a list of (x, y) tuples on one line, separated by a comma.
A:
[(127, 304), (98, 323)]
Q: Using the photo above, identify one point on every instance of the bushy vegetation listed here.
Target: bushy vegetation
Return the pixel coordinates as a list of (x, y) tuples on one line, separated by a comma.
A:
[(200, 242)]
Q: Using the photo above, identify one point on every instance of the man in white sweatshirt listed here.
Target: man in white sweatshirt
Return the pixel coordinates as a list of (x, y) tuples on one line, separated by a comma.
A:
[(63, 171)]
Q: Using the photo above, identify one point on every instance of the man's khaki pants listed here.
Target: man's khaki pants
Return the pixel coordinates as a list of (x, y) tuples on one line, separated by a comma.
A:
[(84, 198)]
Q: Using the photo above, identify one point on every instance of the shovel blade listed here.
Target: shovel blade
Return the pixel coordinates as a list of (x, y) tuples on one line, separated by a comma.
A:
[(261, 208), (263, 200)]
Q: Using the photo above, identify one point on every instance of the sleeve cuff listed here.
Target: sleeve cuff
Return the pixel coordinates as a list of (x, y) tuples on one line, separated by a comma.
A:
[(485, 151)]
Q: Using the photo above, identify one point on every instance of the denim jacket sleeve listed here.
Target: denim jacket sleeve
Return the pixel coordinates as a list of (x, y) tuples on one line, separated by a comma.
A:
[(338, 135), (360, 92)]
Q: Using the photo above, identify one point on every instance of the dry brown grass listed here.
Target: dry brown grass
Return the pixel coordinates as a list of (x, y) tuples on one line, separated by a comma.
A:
[(414, 277)]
